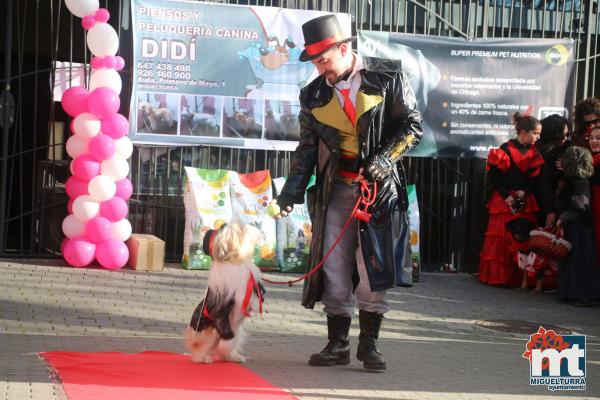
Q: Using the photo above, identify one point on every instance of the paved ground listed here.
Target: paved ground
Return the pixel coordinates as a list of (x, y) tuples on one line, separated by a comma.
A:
[(434, 348)]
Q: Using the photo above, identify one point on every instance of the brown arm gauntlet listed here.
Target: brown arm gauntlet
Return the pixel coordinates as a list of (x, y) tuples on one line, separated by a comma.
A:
[(382, 163)]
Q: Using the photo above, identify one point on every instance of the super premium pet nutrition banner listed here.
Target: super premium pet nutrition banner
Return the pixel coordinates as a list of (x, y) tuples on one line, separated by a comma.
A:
[(223, 75), (467, 90)]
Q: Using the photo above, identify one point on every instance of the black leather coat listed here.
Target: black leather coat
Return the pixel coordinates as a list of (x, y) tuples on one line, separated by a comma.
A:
[(387, 130)]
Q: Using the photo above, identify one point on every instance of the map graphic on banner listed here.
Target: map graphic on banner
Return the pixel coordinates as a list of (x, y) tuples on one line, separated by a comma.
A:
[(467, 91), (221, 75)]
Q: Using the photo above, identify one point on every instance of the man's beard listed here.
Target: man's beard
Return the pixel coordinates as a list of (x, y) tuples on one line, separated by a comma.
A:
[(333, 81), (344, 76)]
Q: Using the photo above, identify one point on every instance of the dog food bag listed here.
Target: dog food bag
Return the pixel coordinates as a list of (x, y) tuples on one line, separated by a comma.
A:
[(413, 219), (207, 203), (250, 196), (294, 233)]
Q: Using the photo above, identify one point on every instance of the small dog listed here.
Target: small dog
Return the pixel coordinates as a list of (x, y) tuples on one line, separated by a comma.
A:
[(160, 119), (203, 123), (234, 291)]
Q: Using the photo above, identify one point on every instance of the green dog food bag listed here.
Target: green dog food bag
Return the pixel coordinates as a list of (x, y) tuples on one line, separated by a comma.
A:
[(294, 234), (207, 203), (250, 195)]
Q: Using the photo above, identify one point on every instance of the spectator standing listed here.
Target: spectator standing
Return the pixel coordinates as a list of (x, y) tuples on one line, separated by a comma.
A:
[(552, 144), (594, 141), (578, 275), (586, 117)]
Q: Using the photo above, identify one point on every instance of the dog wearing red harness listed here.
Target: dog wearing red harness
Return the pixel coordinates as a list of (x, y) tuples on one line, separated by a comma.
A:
[(235, 291)]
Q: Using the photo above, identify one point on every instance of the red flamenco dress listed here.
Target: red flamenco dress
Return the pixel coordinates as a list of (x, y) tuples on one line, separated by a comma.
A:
[(595, 183), (511, 168)]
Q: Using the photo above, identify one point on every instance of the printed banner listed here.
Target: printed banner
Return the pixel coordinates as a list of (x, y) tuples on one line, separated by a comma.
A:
[(223, 75), (467, 91)]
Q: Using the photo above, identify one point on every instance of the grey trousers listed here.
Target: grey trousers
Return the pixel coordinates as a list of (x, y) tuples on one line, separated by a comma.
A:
[(338, 298)]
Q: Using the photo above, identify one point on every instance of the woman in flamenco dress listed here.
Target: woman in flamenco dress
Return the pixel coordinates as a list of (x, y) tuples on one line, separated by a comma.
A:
[(514, 171)]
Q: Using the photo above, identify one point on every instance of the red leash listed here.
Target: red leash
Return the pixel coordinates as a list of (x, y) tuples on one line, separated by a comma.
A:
[(366, 199)]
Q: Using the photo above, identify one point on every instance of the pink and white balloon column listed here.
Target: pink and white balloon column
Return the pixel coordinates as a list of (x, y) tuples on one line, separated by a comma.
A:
[(97, 226)]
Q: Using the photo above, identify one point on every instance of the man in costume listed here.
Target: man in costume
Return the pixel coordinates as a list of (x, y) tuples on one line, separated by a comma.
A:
[(357, 118)]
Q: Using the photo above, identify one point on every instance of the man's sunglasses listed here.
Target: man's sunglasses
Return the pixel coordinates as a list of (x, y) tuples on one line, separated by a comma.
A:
[(593, 121)]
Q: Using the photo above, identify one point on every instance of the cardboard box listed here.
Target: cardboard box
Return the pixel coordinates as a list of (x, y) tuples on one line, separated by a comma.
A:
[(146, 252)]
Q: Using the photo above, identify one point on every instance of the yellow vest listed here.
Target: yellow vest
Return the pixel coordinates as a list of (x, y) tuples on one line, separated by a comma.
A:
[(333, 115)]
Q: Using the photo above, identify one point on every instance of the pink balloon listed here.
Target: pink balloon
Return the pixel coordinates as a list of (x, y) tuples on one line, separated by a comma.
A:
[(85, 167), (70, 205), (75, 100), (76, 187), (115, 126), (97, 62), (102, 147), (110, 62), (120, 63), (112, 254), (114, 209), (88, 22), (98, 229), (102, 15), (124, 189), (104, 102), (78, 251)]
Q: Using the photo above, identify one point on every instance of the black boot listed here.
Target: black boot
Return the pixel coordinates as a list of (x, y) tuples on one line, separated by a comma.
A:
[(337, 351), (369, 333)]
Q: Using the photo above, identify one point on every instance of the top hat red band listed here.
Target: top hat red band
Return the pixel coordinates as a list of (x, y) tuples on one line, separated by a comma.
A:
[(320, 46)]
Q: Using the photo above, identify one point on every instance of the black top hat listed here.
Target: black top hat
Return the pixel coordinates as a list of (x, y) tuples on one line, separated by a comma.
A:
[(320, 35)]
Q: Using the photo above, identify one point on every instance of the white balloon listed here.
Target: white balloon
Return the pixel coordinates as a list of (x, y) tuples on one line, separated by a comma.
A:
[(124, 147), (115, 167), (81, 8), (85, 208), (103, 40), (121, 229), (106, 77), (102, 188), (76, 146), (86, 125), (72, 227)]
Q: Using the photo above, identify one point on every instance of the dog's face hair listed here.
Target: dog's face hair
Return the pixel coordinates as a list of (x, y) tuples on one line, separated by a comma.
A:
[(145, 107), (235, 243), (239, 116)]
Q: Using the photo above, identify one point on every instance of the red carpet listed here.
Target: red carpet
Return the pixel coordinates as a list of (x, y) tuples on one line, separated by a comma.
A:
[(155, 375)]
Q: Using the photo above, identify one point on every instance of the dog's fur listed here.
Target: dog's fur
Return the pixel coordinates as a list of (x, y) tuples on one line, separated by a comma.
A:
[(158, 118), (200, 122), (222, 335)]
